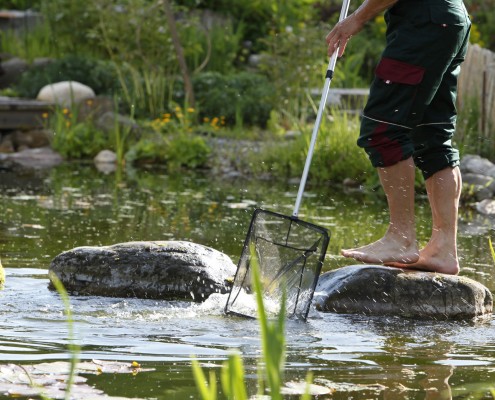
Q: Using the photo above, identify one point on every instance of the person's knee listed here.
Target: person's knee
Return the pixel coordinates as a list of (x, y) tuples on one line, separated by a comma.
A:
[(385, 144), (433, 151)]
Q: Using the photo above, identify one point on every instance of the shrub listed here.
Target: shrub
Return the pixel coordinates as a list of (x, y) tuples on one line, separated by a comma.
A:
[(336, 154), (97, 74), (74, 139), (242, 99), (187, 151), (148, 151)]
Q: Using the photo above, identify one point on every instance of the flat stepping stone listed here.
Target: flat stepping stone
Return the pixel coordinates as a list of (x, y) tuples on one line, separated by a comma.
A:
[(167, 270), (380, 290)]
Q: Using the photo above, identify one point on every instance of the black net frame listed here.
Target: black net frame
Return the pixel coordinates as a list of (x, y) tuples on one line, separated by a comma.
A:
[(290, 254)]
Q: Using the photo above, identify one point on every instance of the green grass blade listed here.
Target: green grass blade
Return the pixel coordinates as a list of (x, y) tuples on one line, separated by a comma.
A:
[(207, 392), (491, 248), (73, 347)]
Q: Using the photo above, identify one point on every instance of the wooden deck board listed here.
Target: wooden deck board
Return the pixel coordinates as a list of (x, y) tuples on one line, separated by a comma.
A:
[(18, 113)]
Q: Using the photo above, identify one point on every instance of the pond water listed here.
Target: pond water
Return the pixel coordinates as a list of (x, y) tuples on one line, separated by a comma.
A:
[(45, 213)]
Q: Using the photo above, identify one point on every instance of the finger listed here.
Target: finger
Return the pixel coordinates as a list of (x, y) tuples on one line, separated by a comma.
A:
[(342, 48)]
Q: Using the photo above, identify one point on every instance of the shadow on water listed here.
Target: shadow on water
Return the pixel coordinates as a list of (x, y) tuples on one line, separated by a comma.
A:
[(46, 213)]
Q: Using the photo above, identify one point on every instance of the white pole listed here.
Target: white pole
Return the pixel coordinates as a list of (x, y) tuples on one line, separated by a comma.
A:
[(319, 115)]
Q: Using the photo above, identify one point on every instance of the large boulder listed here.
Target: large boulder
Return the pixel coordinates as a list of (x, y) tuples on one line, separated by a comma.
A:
[(380, 290), (152, 270), (65, 93)]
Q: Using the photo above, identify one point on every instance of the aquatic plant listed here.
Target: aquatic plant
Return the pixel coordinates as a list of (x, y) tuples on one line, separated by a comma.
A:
[(2, 275), (491, 248), (73, 347)]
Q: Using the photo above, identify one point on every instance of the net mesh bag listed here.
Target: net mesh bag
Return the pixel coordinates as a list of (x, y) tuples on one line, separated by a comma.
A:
[(289, 253)]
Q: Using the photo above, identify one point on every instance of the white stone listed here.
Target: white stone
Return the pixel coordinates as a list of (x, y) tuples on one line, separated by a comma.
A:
[(106, 157), (65, 93), (486, 207)]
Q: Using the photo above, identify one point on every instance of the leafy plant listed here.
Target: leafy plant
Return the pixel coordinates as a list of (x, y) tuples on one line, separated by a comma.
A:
[(29, 43), (188, 151), (149, 150), (74, 139), (244, 98)]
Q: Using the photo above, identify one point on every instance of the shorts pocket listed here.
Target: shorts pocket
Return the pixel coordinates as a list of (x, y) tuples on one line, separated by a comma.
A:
[(394, 71), (447, 16), (393, 92)]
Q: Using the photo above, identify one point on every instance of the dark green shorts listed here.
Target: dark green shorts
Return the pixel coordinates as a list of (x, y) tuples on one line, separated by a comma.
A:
[(411, 108)]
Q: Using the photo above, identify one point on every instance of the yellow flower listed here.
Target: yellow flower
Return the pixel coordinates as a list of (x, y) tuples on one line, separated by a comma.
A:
[(89, 102), (65, 111), (67, 124), (44, 115), (190, 109), (135, 364), (166, 115), (206, 119)]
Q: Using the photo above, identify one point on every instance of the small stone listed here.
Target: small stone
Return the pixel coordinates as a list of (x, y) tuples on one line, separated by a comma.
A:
[(106, 157)]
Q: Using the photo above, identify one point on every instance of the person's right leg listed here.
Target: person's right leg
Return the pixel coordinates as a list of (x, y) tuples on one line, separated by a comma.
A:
[(399, 242), (440, 254)]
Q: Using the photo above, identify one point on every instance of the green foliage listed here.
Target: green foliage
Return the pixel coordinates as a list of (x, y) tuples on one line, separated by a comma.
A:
[(69, 24), (21, 4), (243, 98), (336, 154), (232, 375), (208, 391), (28, 44), (74, 139), (259, 17), (215, 47), (133, 32), (272, 336), (467, 137), (295, 63), (483, 18), (97, 74), (187, 151), (152, 150), (144, 90)]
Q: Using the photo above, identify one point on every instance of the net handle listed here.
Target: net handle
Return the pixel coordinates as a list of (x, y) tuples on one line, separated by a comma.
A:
[(321, 107)]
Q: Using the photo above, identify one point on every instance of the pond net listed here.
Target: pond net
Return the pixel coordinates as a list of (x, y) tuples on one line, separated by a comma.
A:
[(290, 254)]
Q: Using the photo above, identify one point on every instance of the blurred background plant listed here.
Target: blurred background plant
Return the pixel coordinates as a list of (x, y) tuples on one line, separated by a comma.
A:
[(255, 66), (72, 138)]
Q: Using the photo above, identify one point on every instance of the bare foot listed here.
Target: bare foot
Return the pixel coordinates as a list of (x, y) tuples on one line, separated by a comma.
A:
[(386, 250), (430, 260)]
